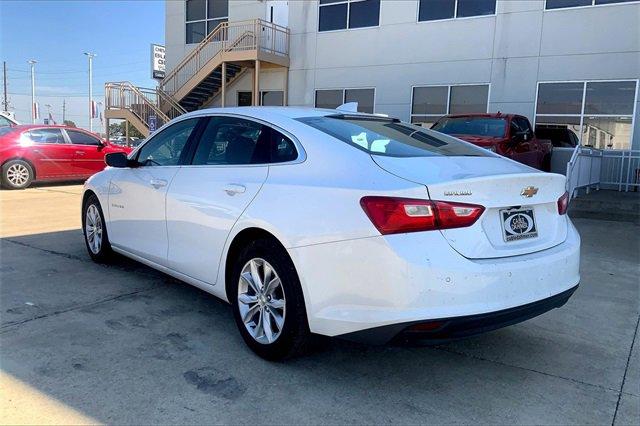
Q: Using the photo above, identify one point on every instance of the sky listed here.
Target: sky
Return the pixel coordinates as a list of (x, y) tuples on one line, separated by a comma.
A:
[(57, 33)]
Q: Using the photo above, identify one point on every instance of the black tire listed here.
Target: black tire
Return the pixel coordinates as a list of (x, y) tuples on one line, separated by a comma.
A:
[(104, 254), (294, 338), (17, 174)]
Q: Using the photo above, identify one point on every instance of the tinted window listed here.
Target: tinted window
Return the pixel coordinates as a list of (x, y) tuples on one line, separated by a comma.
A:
[(476, 7), (364, 98), (273, 98), (229, 140), (430, 10), (46, 136), (333, 17), (560, 98), (282, 148), (468, 99), (330, 99), (364, 14), (559, 137), (217, 8), (6, 130), (556, 4), (195, 32), (612, 97), (612, 1), (196, 10), (390, 138), (477, 126), (523, 124), (81, 138), (166, 148), (244, 99)]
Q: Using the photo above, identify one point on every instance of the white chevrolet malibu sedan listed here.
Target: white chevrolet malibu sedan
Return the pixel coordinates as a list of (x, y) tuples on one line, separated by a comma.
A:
[(328, 222)]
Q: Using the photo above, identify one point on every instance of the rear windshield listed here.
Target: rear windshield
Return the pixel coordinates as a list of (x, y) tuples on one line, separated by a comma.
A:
[(472, 126), (6, 130), (391, 138)]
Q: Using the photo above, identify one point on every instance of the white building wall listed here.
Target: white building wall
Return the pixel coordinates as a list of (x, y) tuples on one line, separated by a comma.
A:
[(513, 50)]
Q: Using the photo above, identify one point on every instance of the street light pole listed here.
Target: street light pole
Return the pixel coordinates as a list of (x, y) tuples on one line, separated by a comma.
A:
[(90, 56), (33, 91), (48, 112)]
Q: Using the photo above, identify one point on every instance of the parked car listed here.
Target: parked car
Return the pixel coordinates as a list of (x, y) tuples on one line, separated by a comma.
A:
[(559, 136), (506, 134), (7, 120), (339, 224), (31, 153)]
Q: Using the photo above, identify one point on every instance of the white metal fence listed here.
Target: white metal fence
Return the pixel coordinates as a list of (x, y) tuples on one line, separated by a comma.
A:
[(592, 168)]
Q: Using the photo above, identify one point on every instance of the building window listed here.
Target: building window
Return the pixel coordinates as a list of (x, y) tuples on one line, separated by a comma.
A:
[(561, 4), (433, 10), (344, 14), (203, 16), (267, 98), (432, 102), (333, 98), (597, 113)]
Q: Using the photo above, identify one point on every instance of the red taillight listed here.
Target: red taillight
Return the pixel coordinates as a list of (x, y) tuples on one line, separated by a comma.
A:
[(396, 215), (563, 203)]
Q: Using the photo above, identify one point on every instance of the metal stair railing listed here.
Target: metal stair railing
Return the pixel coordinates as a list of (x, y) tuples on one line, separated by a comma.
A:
[(168, 105), (255, 34), (142, 102)]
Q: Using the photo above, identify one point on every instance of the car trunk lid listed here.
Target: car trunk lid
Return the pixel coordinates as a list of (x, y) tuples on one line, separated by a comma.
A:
[(510, 192)]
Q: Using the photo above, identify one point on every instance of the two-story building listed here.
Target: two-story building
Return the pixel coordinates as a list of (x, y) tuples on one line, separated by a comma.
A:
[(569, 64)]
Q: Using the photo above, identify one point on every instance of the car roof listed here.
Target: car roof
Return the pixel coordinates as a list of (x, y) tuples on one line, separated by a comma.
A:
[(280, 111)]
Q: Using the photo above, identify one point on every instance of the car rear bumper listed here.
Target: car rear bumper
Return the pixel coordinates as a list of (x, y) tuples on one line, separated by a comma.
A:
[(395, 280), (443, 329)]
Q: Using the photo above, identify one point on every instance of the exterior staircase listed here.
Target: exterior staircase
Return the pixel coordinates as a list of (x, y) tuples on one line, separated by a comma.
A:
[(226, 54), (139, 106)]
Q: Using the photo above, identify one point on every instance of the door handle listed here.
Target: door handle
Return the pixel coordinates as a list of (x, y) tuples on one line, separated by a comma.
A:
[(80, 152), (234, 188), (158, 183)]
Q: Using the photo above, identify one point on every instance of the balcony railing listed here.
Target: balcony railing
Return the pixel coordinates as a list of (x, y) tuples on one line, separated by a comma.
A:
[(239, 36)]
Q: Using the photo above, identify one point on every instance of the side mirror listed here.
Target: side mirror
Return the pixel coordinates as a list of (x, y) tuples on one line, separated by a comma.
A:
[(117, 159), (518, 137)]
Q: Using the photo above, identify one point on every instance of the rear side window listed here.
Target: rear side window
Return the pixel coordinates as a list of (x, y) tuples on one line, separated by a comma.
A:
[(282, 148), (6, 130), (232, 141), (391, 138), (80, 138), (46, 136)]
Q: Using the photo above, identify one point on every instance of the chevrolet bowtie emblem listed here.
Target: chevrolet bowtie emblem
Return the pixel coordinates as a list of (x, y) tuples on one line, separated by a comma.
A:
[(529, 191)]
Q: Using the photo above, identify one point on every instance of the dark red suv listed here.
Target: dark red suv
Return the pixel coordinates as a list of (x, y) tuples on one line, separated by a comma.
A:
[(506, 134)]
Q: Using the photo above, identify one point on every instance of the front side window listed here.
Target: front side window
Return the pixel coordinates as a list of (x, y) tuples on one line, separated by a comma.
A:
[(433, 10), (232, 141), (203, 16), (46, 136), (80, 138), (432, 102), (598, 113), (345, 14), (561, 4), (391, 138), (167, 147), (333, 98), (477, 126)]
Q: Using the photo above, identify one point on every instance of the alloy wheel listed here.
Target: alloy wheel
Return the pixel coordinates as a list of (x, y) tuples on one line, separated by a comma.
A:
[(261, 301), (93, 229), (18, 174)]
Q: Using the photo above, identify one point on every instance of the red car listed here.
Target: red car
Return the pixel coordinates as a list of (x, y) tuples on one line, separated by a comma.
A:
[(38, 153), (506, 134)]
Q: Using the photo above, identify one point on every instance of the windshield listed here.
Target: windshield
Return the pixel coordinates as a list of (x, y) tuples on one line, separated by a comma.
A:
[(472, 126), (391, 138)]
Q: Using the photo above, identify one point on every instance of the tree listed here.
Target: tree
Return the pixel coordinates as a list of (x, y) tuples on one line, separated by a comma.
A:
[(69, 123)]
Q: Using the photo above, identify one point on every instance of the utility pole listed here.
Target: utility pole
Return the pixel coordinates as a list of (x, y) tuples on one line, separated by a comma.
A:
[(90, 56), (33, 91), (64, 110), (6, 100)]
